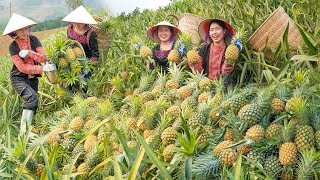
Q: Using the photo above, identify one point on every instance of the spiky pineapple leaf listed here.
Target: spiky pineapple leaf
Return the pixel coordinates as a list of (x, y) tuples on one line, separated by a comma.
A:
[(135, 167)]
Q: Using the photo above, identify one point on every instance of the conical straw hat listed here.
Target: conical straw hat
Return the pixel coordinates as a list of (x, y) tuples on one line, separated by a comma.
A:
[(17, 22), (151, 32), (80, 15)]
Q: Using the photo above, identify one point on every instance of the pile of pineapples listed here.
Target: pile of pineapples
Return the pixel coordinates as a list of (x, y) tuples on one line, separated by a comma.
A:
[(70, 60)]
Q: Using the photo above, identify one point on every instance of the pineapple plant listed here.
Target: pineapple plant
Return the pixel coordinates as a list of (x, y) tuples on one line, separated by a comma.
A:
[(278, 101), (168, 136), (304, 135), (273, 132), (252, 113), (288, 151), (199, 118), (159, 85), (175, 78)]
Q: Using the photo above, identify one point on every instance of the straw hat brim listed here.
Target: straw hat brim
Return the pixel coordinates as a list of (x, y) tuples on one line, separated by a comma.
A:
[(203, 27), (80, 15), (17, 22), (151, 33)]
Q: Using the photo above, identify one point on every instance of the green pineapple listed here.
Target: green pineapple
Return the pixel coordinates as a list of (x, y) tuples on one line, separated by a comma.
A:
[(256, 156), (168, 136), (272, 165), (252, 113)]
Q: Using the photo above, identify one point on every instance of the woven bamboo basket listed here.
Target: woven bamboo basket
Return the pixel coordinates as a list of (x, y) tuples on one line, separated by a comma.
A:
[(52, 77), (78, 44), (188, 23), (272, 30), (104, 40)]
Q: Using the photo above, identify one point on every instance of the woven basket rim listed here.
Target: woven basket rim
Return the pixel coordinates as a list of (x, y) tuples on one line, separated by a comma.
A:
[(190, 15), (262, 25)]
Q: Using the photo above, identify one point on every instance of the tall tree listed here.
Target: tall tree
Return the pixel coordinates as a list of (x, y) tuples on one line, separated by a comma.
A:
[(73, 4)]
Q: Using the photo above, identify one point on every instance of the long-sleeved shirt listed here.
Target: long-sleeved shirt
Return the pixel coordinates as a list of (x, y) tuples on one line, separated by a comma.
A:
[(211, 61), (88, 40), (29, 65)]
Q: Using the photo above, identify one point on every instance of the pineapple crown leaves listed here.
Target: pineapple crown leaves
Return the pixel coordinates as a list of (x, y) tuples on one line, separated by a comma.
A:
[(301, 110), (176, 73), (288, 130), (309, 159), (20, 149), (205, 165), (240, 34), (161, 80)]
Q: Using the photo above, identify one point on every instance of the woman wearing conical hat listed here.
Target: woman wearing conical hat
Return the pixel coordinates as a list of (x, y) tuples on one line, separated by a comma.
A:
[(79, 30), (27, 53), (217, 35), (165, 34)]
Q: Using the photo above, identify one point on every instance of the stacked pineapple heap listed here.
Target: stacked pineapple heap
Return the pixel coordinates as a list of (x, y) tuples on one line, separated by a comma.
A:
[(70, 60), (268, 127)]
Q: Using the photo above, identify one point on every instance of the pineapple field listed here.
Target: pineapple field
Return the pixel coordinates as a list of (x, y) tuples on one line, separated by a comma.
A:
[(137, 123)]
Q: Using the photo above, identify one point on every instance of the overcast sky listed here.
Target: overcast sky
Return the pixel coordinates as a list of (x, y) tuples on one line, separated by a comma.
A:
[(118, 6)]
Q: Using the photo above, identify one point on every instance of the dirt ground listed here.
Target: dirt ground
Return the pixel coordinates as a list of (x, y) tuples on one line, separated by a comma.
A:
[(6, 40)]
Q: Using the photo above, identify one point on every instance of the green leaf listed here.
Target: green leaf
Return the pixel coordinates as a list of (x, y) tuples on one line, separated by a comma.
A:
[(134, 170), (188, 168), (153, 157), (307, 40), (48, 162), (238, 170), (117, 170), (123, 141)]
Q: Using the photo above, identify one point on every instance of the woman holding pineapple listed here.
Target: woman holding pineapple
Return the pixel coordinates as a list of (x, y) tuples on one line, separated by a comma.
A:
[(27, 53), (217, 35), (79, 30), (165, 34)]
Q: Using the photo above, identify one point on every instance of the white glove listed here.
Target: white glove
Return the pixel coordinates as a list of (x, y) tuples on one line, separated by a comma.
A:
[(23, 53), (49, 67)]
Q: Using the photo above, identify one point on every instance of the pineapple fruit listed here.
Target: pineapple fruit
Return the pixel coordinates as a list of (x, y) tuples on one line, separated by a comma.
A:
[(288, 154), (168, 136), (228, 156), (168, 152), (174, 56), (89, 143), (233, 50), (256, 133), (272, 165), (70, 55), (78, 52), (145, 52), (220, 147), (76, 123), (193, 57)]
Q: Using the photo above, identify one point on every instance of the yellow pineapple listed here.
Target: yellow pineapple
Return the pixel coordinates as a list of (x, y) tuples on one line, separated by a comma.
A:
[(53, 138), (168, 136), (176, 75), (229, 135), (221, 146), (173, 110), (39, 170), (70, 55), (243, 149), (78, 52), (204, 83), (228, 156), (288, 154), (274, 131), (132, 144), (193, 57), (205, 134), (76, 123), (63, 63), (124, 74), (233, 50), (145, 52), (174, 56), (83, 169), (203, 97), (184, 92), (256, 133), (215, 114), (90, 141), (148, 135), (277, 105), (131, 124), (168, 152)]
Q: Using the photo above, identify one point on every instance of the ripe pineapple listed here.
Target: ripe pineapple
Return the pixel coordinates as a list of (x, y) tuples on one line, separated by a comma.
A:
[(272, 165), (90, 142), (204, 136), (176, 75), (277, 105), (229, 135), (124, 74), (221, 146), (189, 102), (53, 139), (203, 97), (69, 143), (204, 83), (174, 56), (184, 92), (193, 57), (243, 149), (76, 123), (290, 104), (148, 135), (256, 133), (168, 136), (288, 153), (304, 139), (131, 124), (91, 101), (132, 144), (63, 63), (228, 156), (215, 114), (145, 52), (70, 55), (287, 175), (233, 50), (84, 169), (78, 52), (168, 152), (173, 111), (39, 170)]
